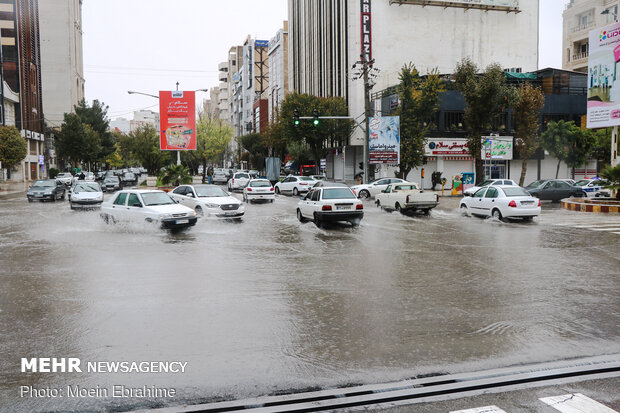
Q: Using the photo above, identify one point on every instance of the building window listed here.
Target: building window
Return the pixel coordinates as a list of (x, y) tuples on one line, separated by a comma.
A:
[(454, 121)]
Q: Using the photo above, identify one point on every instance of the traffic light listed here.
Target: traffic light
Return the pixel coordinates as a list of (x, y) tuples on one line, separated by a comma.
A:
[(361, 165), (315, 115), (295, 117)]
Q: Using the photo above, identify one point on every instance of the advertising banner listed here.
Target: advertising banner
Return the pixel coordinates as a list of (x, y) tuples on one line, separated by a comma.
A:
[(384, 140), (177, 114), (441, 146), (493, 147), (603, 77)]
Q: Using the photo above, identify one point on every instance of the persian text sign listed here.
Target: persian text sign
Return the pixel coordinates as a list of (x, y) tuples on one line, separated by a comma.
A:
[(494, 147), (446, 147), (384, 140), (366, 31), (177, 114), (603, 81)]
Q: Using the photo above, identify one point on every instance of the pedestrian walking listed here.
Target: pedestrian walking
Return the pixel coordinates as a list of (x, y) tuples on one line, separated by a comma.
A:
[(210, 175)]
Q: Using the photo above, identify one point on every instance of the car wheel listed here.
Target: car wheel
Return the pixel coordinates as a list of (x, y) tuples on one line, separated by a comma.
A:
[(295, 192), (317, 221), (277, 189), (355, 222), (378, 203), (271, 201), (299, 216), (464, 210), (364, 194), (398, 208), (497, 215), (528, 219), (584, 194), (199, 211), (71, 205), (30, 200), (426, 211)]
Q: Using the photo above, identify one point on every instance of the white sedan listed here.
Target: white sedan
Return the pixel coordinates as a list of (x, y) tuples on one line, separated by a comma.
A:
[(505, 201), (209, 201), (369, 190), (85, 195), (330, 204), (294, 184), (472, 190), (259, 190), (152, 206)]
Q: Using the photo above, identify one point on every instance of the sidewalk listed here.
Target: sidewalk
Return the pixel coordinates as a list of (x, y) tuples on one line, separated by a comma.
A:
[(9, 189)]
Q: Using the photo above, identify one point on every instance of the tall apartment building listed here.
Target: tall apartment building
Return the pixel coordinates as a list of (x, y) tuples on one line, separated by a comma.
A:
[(21, 72), (221, 97), (278, 70), (580, 17), (327, 37), (61, 58)]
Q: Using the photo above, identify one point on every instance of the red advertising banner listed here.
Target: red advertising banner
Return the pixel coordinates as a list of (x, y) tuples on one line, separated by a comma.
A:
[(177, 120)]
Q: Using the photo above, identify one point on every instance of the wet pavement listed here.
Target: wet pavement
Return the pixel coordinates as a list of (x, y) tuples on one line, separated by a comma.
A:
[(270, 305)]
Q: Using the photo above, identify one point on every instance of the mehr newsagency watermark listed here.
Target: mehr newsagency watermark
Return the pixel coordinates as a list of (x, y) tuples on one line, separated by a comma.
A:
[(75, 365)]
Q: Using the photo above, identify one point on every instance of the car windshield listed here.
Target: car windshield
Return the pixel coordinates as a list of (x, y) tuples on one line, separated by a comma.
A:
[(305, 178), (260, 184), (44, 183), (246, 176), (338, 193), (156, 198), (583, 182), (536, 184), (86, 188), (129, 175), (209, 191), (405, 187), (111, 180), (64, 175), (516, 191)]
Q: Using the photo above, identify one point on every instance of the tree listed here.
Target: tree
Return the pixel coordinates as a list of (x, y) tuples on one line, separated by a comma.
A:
[(567, 142), (12, 147), (601, 150), (613, 176), (145, 149), (175, 175), (213, 137), (255, 145), (71, 140), (486, 97), (527, 115), (275, 137), (419, 101), (96, 116)]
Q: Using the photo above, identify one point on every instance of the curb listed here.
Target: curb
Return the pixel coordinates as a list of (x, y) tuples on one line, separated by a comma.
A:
[(574, 204)]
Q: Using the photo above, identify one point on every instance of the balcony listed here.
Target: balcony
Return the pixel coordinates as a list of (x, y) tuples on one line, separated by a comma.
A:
[(223, 67), (579, 58), (223, 76), (581, 27)]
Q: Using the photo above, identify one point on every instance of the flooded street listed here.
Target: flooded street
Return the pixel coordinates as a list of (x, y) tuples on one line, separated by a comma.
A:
[(269, 304)]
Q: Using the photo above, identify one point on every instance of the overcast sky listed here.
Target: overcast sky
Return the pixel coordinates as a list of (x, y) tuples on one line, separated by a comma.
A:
[(149, 45)]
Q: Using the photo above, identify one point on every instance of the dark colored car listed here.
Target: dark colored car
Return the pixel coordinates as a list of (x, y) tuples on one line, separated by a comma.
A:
[(46, 189), (129, 179), (553, 190), (111, 183)]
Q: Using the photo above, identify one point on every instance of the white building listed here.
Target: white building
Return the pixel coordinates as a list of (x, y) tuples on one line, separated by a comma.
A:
[(62, 70), (278, 70), (144, 117), (325, 42), (121, 125)]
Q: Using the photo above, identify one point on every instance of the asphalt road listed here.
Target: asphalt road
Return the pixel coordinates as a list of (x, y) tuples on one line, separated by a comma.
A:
[(271, 305)]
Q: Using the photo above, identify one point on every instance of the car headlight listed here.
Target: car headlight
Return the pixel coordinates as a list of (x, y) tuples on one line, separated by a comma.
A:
[(212, 205), (166, 216), (48, 192)]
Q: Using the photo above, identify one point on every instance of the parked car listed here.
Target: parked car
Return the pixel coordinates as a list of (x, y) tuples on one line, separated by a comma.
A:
[(238, 181), (554, 190), (111, 183), (220, 176), (371, 189), (46, 189), (259, 190), (594, 187), (406, 196), (129, 179), (474, 189), (85, 195), (151, 206), (294, 184), (65, 178), (501, 202), (330, 204), (209, 201), (318, 177)]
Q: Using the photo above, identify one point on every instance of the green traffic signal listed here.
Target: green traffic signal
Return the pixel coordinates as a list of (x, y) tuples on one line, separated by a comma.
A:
[(315, 115), (316, 122)]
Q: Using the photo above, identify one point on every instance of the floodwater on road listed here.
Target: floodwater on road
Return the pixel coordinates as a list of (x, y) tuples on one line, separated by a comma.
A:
[(269, 304)]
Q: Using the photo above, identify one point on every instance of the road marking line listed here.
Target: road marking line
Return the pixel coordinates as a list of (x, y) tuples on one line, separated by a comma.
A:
[(605, 229), (486, 409), (576, 403)]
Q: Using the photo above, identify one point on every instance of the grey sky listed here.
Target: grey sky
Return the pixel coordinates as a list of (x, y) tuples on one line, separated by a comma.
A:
[(149, 45)]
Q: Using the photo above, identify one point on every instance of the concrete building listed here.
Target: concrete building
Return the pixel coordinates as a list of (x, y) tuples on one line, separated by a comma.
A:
[(326, 39), (121, 125), (144, 117), (580, 17), (21, 71), (62, 68), (278, 70), (221, 99)]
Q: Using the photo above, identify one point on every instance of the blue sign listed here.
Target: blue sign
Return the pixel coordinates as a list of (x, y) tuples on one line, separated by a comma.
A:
[(261, 43)]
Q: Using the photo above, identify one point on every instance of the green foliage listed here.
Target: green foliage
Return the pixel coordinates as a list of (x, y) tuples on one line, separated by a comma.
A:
[(486, 97), (419, 101), (527, 115), (143, 144), (601, 149), (568, 143), (257, 150), (76, 142), (96, 116), (613, 177), (13, 147), (53, 173), (214, 135), (175, 175), (300, 152)]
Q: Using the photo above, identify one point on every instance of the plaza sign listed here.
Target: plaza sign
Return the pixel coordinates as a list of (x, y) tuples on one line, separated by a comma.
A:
[(366, 30)]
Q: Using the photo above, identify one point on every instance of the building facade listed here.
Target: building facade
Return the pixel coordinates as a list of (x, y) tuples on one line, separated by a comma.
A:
[(142, 118), (278, 71), (326, 39), (61, 58)]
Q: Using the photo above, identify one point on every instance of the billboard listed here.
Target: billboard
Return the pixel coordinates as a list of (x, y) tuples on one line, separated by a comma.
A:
[(493, 147), (603, 77), (384, 140), (501, 5), (177, 124)]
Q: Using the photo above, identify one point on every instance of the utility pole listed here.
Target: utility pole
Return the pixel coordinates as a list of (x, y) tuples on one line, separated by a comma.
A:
[(367, 72)]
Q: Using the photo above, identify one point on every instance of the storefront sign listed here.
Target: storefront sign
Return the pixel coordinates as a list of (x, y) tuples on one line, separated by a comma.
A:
[(494, 147), (366, 31), (603, 82), (446, 147), (177, 111), (384, 140)]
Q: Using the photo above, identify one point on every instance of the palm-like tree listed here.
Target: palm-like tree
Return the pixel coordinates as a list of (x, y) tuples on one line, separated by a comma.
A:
[(613, 176), (175, 175)]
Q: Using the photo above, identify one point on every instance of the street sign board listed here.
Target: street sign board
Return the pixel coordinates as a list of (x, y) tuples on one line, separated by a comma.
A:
[(603, 78), (384, 140), (177, 114)]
